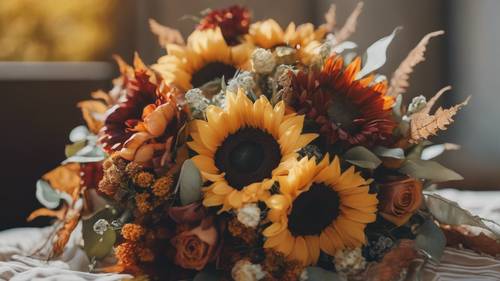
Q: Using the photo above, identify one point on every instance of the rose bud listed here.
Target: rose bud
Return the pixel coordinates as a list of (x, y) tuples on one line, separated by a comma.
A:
[(399, 199)]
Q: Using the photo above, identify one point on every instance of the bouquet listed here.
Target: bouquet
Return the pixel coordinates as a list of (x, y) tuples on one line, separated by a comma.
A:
[(256, 152)]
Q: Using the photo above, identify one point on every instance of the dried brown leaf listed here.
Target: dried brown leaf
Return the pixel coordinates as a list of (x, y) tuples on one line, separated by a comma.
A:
[(350, 25), (90, 110), (463, 236), (330, 18), (165, 34), (64, 233), (44, 212), (65, 178), (399, 81), (423, 124)]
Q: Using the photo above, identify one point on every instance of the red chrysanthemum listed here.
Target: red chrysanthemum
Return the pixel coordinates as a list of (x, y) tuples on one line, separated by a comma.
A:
[(233, 21), (354, 112)]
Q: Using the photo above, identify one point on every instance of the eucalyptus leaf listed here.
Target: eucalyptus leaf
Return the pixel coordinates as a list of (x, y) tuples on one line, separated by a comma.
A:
[(362, 157), (314, 273), (190, 183), (95, 245), (449, 212), (79, 133), (376, 55), (397, 153), (72, 149), (346, 45), (429, 170), (396, 108), (46, 195), (208, 275), (430, 240), (433, 151)]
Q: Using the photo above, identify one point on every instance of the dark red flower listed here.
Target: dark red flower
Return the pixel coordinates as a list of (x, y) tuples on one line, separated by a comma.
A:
[(124, 116), (233, 21), (354, 112)]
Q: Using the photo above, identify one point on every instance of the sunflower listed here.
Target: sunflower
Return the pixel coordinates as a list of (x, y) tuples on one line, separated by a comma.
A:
[(205, 57), (233, 21), (319, 208), (355, 112), (268, 34), (241, 149)]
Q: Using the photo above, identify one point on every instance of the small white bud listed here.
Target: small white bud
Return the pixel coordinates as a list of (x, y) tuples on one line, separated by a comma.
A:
[(249, 215), (244, 270), (263, 61)]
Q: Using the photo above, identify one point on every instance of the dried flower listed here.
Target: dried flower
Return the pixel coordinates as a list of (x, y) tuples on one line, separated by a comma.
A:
[(237, 229), (133, 168), (249, 215), (132, 232), (263, 61), (142, 203), (144, 179), (145, 254), (281, 268), (349, 262), (125, 253), (244, 270), (162, 186)]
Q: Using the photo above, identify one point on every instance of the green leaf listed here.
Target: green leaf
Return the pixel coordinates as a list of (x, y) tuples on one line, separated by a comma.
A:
[(189, 183), (430, 240), (72, 149), (208, 275), (429, 170), (397, 153), (449, 212), (314, 273), (95, 245), (362, 157)]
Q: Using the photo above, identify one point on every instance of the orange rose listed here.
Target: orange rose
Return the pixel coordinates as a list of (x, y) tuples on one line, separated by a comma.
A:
[(195, 248), (399, 199)]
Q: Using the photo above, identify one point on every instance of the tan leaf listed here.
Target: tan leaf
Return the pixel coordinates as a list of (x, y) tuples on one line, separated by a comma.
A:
[(65, 178), (124, 67), (166, 35), (399, 80), (350, 25), (330, 18), (423, 124), (44, 212), (90, 110)]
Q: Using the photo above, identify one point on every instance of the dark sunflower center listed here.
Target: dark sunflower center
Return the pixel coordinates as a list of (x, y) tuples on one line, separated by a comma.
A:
[(212, 71), (313, 210), (343, 113), (247, 156)]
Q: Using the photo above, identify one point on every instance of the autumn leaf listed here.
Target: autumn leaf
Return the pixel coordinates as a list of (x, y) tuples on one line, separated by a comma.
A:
[(65, 178), (91, 109), (399, 81), (166, 35), (350, 25), (423, 124)]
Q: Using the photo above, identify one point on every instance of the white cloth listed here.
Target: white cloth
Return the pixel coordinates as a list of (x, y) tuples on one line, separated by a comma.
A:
[(23, 257), (17, 246)]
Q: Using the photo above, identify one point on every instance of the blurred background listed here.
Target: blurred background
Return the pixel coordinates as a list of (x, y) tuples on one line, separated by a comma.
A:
[(53, 53)]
